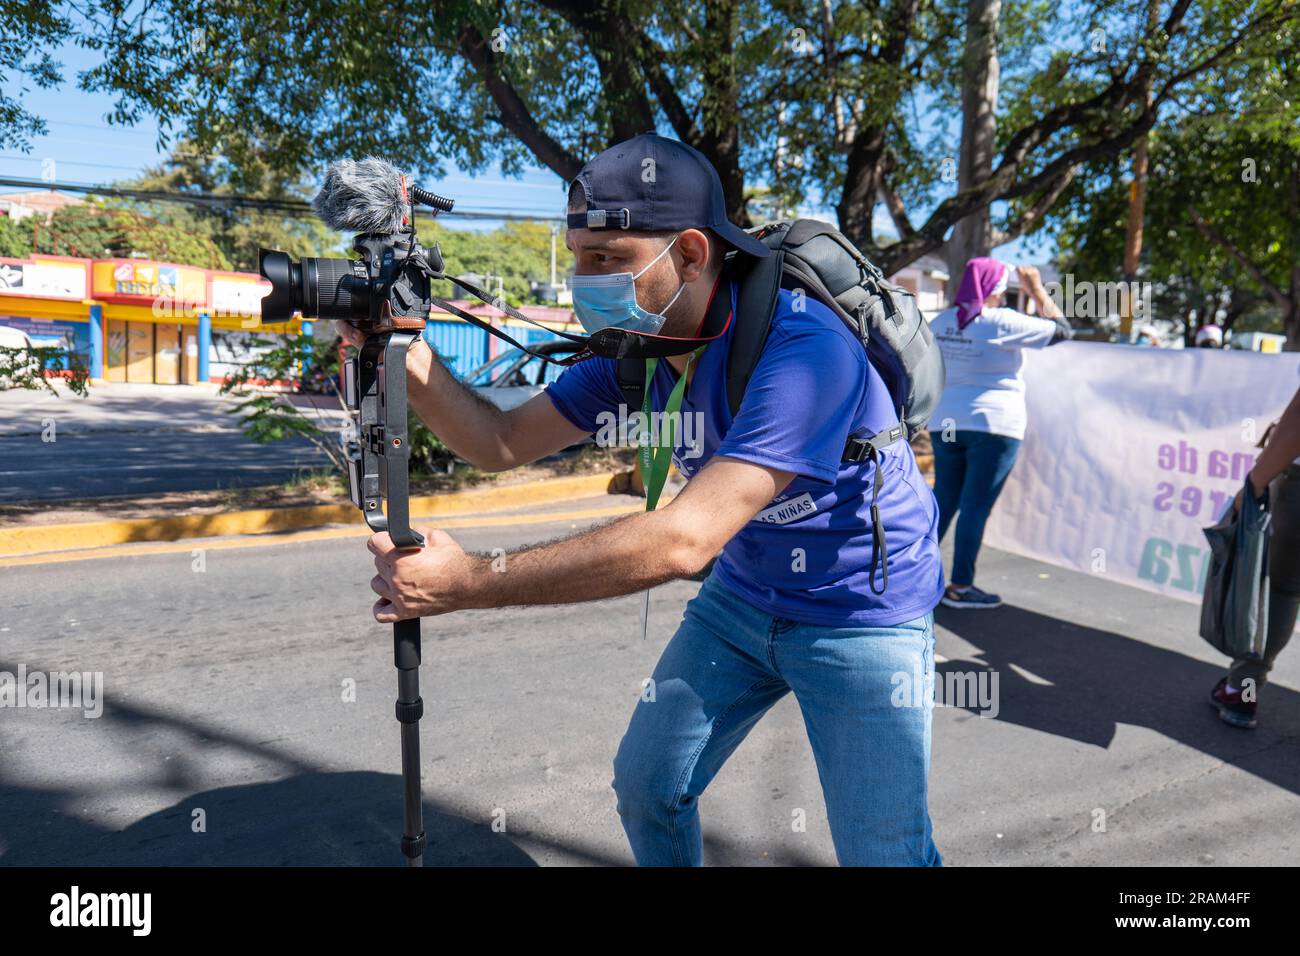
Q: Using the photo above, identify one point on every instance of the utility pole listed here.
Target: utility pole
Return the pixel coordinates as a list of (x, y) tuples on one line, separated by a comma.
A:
[(555, 232), (1137, 198)]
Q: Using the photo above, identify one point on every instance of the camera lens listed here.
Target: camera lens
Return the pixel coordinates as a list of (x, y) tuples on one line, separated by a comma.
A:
[(318, 288), (285, 277), (336, 289)]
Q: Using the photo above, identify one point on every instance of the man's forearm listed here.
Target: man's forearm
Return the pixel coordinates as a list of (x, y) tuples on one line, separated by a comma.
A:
[(622, 557), (469, 425)]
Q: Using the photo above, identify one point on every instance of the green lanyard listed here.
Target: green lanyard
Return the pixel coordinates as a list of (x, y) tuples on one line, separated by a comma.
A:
[(657, 454)]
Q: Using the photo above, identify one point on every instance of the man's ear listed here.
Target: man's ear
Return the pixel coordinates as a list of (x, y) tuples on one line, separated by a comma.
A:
[(694, 248)]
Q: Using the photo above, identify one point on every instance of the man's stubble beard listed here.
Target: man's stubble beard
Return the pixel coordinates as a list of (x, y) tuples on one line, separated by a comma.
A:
[(684, 317)]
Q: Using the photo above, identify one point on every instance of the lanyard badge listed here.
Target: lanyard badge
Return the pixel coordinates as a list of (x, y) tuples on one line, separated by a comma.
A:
[(656, 453)]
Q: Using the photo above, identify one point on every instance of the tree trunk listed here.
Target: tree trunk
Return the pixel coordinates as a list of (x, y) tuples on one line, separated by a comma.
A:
[(973, 236)]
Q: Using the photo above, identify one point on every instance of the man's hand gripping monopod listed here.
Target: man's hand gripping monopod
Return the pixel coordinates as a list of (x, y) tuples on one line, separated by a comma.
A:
[(378, 468)]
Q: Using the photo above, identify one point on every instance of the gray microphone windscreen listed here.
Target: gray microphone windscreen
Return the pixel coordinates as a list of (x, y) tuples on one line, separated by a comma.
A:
[(362, 196)]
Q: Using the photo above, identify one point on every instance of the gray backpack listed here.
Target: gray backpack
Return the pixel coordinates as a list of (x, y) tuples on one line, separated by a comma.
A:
[(814, 256)]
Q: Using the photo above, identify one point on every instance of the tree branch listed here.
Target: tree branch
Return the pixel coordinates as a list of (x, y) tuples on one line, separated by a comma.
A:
[(1256, 273), (1030, 217), (897, 211), (603, 27), (515, 115), (651, 58)]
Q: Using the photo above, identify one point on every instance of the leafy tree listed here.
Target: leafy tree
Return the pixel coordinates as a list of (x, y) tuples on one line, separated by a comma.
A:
[(267, 415), (1222, 210), (831, 101), (237, 232), (518, 252), (298, 363), (94, 231), (28, 30), (26, 368), (15, 237)]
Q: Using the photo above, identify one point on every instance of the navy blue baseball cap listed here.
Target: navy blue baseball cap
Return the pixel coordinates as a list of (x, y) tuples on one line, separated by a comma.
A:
[(656, 184)]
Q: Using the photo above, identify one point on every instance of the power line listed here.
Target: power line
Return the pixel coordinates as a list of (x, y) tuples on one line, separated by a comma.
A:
[(67, 162), (295, 207)]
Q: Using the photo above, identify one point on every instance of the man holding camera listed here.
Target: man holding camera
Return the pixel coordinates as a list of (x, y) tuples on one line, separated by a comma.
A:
[(790, 603)]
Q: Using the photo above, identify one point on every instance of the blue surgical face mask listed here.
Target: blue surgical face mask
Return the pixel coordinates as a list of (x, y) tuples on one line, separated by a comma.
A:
[(609, 301)]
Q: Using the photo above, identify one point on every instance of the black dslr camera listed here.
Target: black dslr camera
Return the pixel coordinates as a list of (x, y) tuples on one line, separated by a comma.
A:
[(384, 292), (384, 289)]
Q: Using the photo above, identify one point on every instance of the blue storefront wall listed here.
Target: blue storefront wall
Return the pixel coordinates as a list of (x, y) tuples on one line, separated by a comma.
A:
[(465, 347), (59, 333)]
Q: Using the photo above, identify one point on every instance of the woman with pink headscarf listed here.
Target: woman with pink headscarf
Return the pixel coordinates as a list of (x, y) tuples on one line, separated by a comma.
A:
[(979, 423)]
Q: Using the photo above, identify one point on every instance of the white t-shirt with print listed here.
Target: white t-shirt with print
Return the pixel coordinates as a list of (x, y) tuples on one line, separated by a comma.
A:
[(985, 391)]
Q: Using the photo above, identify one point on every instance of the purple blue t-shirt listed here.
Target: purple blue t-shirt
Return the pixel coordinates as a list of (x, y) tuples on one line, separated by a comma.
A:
[(806, 556)]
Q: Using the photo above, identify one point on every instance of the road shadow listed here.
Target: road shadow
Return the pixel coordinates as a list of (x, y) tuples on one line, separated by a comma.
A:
[(313, 819), (308, 817), (1096, 680)]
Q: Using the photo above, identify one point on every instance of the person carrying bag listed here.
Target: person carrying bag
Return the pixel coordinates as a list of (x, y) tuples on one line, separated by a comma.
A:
[(1252, 593)]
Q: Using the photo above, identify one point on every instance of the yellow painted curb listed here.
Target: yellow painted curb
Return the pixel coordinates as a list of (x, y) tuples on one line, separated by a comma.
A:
[(102, 534), (298, 537)]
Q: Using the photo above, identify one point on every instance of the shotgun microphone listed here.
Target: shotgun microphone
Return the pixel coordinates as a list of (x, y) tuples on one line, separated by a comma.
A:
[(371, 196)]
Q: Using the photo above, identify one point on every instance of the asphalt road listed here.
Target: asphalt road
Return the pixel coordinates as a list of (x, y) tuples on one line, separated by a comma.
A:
[(225, 702), (135, 440)]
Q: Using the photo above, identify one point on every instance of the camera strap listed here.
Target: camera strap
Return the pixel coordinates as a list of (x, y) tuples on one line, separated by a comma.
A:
[(506, 337), (498, 303), (608, 342)]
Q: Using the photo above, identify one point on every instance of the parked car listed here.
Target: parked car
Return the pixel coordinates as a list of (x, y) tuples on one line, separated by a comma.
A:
[(514, 377)]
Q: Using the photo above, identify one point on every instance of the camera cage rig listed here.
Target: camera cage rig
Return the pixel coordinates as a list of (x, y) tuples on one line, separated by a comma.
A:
[(386, 294), (374, 381)]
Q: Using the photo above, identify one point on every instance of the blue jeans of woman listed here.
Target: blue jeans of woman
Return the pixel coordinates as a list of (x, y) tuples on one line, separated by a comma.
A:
[(866, 694), (969, 472)]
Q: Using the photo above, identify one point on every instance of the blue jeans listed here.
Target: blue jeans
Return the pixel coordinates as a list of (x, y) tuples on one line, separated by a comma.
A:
[(866, 693), (969, 473)]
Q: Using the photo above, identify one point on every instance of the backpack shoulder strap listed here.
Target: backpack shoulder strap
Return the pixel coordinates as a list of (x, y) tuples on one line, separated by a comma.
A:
[(755, 306), (631, 382)]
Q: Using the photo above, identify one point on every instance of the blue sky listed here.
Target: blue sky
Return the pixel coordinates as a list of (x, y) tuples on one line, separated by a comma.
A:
[(85, 148), (82, 147)]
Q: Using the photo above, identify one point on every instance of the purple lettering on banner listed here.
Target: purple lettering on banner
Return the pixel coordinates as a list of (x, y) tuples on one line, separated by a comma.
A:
[(1236, 467), (1186, 458), (1164, 491), (1165, 457), (1217, 464), (1191, 504), (1218, 504)]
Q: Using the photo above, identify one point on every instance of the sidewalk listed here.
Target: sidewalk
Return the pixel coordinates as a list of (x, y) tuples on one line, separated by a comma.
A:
[(115, 407), (137, 440)]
